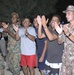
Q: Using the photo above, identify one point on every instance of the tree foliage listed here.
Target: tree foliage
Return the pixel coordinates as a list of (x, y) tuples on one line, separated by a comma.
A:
[(26, 7)]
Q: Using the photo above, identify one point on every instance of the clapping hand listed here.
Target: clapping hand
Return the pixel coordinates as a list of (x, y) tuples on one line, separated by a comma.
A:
[(5, 25), (39, 20), (66, 29), (26, 31), (58, 28), (44, 21), (15, 27)]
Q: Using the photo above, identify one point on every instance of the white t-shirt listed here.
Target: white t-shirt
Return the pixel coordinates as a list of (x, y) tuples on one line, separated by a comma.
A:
[(53, 65), (28, 47)]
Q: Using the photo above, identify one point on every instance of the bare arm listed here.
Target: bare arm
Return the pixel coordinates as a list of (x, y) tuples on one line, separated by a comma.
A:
[(44, 51), (31, 37), (40, 34), (50, 35)]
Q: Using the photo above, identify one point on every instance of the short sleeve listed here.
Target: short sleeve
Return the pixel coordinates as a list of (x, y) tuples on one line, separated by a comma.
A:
[(21, 32), (32, 31)]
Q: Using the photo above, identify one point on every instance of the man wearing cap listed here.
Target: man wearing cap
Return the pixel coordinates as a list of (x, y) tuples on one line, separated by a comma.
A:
[(66, 35)]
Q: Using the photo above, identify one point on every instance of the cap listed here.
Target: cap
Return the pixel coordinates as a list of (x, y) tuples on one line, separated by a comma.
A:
[(69, 8)]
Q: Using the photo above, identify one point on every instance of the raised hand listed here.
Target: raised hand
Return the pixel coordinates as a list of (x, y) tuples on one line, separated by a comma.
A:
[(66, 29), (39, 20), (6, 29), (58, 28), (5, 25), (15, 27), (26, 31), (44, 21)]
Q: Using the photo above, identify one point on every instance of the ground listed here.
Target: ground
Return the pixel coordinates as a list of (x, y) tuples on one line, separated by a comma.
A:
[(21, 73)]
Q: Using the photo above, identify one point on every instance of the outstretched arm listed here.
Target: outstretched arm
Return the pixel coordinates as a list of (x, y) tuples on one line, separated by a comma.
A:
[(40, 34), (50, 35), (44, 51)]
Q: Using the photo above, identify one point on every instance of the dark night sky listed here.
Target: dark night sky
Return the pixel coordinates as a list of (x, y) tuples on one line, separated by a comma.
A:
[(62, 5)]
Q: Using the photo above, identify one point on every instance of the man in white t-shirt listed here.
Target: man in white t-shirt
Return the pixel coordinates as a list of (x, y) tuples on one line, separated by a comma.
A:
[(28, 47)]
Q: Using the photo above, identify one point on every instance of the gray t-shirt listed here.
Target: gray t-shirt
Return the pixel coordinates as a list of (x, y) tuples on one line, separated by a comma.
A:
[(54, 50)]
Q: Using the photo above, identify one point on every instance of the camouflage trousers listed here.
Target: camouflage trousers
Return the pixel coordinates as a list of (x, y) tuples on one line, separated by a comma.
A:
[(13, 61), (67, 63), (1, 66)]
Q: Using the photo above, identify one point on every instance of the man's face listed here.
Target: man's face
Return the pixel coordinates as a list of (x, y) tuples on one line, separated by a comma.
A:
[(14, 19), (53, 20), (35, 22), (26, 22), (70, 16)]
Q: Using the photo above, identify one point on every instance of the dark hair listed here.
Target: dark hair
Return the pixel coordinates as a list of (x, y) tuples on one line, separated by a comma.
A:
[(30, 19), (59, 18)]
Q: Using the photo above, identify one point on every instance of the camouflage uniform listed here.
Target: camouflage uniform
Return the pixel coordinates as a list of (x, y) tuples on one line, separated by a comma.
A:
[(13, 57), (68, 55), (1, 65)]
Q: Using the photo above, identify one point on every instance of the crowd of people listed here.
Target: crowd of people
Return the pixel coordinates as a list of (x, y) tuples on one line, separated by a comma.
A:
[(43, 44)]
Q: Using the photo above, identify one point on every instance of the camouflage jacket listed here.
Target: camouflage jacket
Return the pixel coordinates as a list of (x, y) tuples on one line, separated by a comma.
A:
[(68, 53), (13, 45), (68, 44)]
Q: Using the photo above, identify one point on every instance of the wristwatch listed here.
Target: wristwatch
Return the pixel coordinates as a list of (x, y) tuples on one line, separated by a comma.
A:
[(68, 35), (26, 34)]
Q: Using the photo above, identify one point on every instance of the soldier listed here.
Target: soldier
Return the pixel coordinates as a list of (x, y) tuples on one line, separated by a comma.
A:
[(1, 65), (68, 38), (13, 57)]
